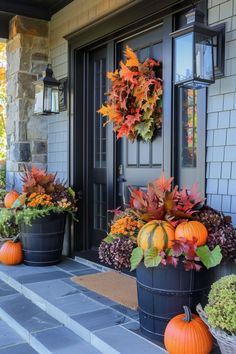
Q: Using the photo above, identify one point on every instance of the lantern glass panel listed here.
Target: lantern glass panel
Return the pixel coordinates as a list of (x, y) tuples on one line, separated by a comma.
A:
[(51, 99), (39, 88), (204, 57), (184, 58)]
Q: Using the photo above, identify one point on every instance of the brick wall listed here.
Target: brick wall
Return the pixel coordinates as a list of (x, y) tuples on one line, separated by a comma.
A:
[(77, 14), (221, 118)]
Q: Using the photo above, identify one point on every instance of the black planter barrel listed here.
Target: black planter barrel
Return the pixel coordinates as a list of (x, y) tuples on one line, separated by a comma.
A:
[(42, 241), (162, 292)]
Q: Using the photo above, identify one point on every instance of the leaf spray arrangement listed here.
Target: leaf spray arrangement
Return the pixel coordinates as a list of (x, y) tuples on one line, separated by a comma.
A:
[(134, 101), (42, 194), (169, 225)]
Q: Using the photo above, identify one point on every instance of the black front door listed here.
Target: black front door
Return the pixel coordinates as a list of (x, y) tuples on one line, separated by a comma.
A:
[(104, 158), (141, 162), (99, 153)]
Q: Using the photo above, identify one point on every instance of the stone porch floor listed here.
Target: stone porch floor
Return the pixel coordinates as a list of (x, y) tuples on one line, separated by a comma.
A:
[(43, 311)]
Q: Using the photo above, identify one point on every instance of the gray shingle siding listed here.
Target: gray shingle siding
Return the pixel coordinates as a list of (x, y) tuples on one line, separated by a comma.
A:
[(221, 118)]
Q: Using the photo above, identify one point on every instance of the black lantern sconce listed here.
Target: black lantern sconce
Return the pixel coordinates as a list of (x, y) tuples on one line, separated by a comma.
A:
[(194, 47), (47, 94)]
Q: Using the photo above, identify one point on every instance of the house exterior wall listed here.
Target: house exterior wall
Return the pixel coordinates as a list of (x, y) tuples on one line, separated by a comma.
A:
[(76, 15), (221, 117), (221, 100)]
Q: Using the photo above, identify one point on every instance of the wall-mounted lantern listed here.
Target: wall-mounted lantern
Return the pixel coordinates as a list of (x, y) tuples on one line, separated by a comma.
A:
[(47, 94), (193, 52)]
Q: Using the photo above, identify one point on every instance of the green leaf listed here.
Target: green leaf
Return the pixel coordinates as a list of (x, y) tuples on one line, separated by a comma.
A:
[(209, 258), (109, 238), (152, 257), (19, 201), (136, 257), (145, 128)]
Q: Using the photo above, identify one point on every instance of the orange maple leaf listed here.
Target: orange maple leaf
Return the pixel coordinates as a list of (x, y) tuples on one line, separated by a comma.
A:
[(132, 59), (127, 74), (112, 76), (164, 184)]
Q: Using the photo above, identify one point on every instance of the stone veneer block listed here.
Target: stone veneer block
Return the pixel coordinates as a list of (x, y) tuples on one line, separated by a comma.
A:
[(26, 25), (21, 152)]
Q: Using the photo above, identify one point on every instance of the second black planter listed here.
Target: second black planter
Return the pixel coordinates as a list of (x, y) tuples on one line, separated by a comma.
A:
[(42, 241), (162, 292)]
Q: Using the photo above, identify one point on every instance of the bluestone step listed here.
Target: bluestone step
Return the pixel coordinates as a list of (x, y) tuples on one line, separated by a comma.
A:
[(73, 310), (43, 332)]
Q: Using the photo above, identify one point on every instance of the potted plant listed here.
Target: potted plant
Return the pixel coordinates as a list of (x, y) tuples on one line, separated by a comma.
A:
[(173, 258), (40, 213), (220, 313)]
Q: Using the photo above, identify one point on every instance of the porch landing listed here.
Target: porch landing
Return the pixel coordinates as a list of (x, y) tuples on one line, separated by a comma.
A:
[(42, 310)]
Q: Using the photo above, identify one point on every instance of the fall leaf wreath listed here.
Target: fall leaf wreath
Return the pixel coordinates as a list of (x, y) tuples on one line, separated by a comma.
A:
[(134, 101)]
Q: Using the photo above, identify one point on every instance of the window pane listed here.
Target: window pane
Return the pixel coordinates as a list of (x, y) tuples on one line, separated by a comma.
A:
[(99, 131), (184, 57), (189, 128), (204, 59)]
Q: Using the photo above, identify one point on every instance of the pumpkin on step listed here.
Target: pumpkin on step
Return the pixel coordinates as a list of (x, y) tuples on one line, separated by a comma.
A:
[(10, 198), (156, 233), (11, 252), (187, 334), (190, 230)]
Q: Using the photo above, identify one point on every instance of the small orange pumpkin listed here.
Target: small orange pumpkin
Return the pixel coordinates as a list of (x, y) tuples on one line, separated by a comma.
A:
[(10, 198), (190, 230), (11, 252), (187, 334), (156, 233)]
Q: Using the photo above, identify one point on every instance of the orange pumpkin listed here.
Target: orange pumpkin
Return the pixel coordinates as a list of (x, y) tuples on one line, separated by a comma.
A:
[(156, 233), (191, 229), (11, 252), (10, 198), (187, 334)]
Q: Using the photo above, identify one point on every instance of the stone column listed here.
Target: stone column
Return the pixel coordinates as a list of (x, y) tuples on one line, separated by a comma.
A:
[(27, 56)]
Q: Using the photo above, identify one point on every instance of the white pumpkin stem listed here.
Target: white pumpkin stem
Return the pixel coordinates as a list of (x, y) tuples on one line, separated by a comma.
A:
[(188, 314)]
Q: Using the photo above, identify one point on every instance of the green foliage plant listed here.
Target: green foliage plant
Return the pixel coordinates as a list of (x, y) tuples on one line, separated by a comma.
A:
[(221, 307), (8, 226)]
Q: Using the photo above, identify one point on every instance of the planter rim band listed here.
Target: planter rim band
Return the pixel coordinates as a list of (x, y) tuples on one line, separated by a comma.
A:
[(27, 251), (149, 315), (147, 330), (170, 291), (41, 262), (27, 234)]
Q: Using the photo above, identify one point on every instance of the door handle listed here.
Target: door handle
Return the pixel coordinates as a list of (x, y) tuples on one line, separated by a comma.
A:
[(121, 184)]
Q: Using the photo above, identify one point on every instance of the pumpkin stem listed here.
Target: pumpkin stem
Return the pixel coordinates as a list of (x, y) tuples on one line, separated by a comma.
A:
[(16, 239), (188, 314)]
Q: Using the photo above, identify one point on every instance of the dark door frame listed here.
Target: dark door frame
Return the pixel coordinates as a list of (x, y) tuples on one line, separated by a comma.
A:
[(142, 17)]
